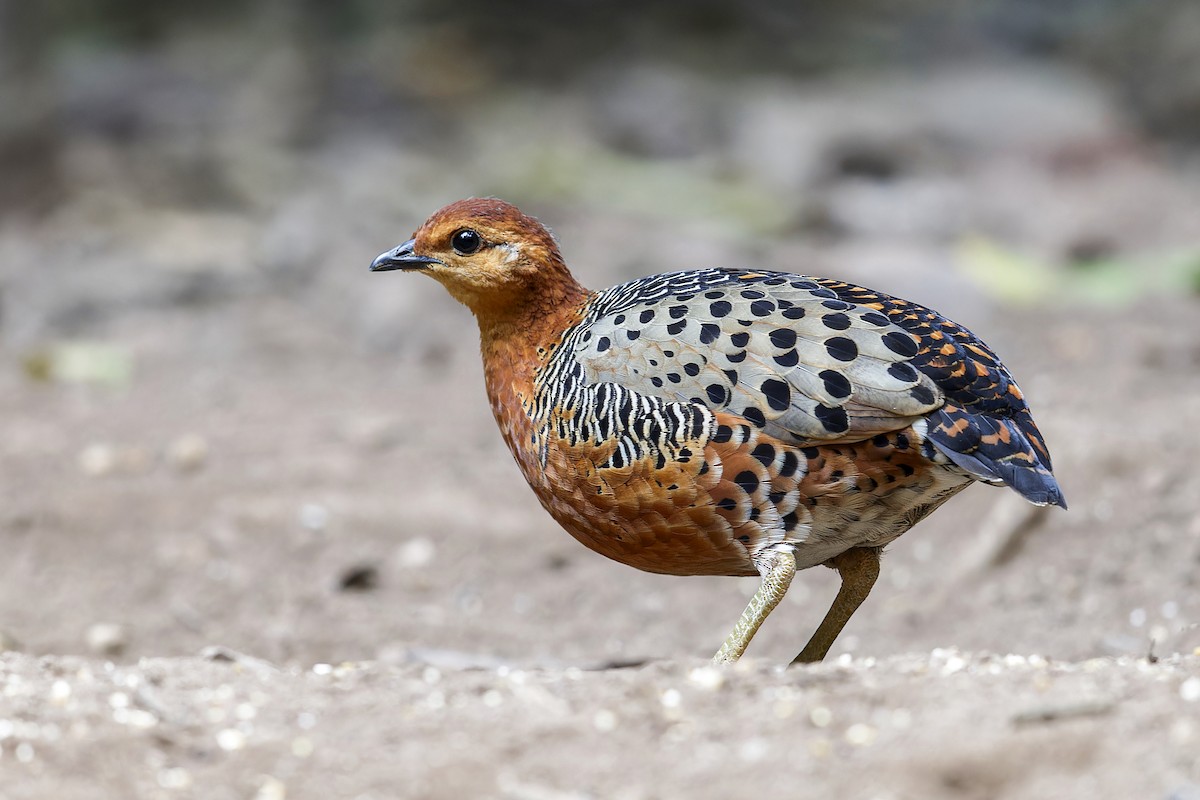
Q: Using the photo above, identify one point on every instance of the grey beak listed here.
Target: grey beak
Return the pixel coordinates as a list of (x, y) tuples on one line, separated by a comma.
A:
[(401, 257)]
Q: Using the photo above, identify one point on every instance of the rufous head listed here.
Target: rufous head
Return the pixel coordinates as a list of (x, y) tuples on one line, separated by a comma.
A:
[(489, 256)]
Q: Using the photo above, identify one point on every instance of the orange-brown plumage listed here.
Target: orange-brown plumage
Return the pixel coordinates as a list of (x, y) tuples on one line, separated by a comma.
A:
[(727, 422)]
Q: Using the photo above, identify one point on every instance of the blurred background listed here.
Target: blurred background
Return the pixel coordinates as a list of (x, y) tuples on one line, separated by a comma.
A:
[(217, 428)]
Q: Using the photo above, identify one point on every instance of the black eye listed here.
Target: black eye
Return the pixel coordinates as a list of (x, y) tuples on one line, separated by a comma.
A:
[(466, 242)]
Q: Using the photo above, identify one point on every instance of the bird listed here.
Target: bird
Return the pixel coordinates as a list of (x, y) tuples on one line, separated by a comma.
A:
[(728, 421)]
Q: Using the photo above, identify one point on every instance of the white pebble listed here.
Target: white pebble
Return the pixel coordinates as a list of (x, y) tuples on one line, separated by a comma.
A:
[(492, 698), (709, 678), (134, 718), (271, 789), (231, 739), (314, 517), (60, 692), (98, 460), (174, 778), (1137, 617), (954, 663), (302, 747), (188, 453), (820, 716), (753, 750), (604, 720), (416, 553), (322, 669), (860, 734), (106, 638), (1189, 690), (1170, 609), (671, 698)]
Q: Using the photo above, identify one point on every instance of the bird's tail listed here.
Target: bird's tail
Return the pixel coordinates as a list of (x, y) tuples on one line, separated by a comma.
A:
[(1005, 450)]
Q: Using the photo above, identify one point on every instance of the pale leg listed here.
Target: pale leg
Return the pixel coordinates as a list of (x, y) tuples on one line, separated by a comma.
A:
[(777, 572)]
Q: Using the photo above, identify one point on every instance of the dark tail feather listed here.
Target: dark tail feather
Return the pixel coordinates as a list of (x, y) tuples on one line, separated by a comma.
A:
[(998, 450)]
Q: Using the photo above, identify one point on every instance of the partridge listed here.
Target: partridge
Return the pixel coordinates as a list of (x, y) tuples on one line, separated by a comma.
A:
[(728, 421)]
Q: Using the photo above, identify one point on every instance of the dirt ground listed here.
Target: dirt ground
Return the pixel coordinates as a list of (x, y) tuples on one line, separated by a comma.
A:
[(261, 539)]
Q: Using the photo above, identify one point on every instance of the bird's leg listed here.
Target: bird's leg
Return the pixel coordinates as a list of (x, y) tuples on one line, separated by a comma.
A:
[(859, 567), (777, 570)]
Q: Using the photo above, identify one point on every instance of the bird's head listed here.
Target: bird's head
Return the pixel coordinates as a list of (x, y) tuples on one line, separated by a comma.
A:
[(489, 256)]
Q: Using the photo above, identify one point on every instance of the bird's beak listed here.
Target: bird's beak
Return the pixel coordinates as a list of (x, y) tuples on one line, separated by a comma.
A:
[(401, 257)]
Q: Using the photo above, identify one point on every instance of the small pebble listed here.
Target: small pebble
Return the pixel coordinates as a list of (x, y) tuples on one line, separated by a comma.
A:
[(820, 747), (107, 638), (271, 789), (314, 517), (60, 692), (188, 453), (820, 716), (174, 778), (1189, 690), (708, 678), (860, 734), (98, 460), (359, 578), (8, 642), (753, 750), (416, 553), (231, 739), (604, 720), (954, 663)]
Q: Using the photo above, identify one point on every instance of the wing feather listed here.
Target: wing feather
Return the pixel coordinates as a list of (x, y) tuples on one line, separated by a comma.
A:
[(779, 350)]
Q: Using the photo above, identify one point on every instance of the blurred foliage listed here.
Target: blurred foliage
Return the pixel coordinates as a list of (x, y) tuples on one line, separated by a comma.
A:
[(87, 362), (548, 39), (1149, 51), (1019, 279)]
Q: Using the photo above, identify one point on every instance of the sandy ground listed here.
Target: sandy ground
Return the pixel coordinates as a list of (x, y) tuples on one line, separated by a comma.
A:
[(942, 725), (278, 455)]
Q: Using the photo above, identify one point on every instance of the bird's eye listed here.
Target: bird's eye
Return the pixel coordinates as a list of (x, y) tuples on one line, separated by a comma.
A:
[(466, 242)]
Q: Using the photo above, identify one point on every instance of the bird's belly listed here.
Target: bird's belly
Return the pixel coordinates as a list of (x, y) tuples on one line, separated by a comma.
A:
[(875, 520), (669, 517), (655, 517)]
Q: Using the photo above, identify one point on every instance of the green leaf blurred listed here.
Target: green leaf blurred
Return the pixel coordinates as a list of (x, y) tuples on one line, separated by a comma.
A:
[(81, 362), (1020, 279)]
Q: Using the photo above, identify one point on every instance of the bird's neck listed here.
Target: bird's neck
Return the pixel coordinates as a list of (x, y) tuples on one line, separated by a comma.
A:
[(514, 348)]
